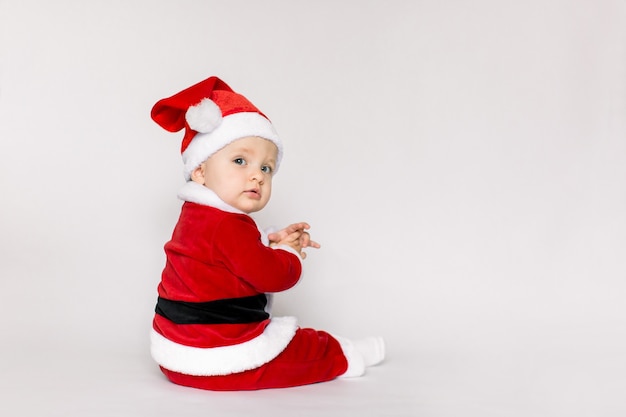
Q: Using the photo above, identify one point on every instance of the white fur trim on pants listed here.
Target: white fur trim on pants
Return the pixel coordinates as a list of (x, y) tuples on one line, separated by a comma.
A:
[(224, 360)]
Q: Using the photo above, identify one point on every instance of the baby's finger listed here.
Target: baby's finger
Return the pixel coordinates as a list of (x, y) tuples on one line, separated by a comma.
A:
[(306, 241), (296, 227), (302, 226), (313, 244), (294, 236)]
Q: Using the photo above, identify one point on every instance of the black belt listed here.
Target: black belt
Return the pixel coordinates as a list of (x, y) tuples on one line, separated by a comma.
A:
[(226, 311)]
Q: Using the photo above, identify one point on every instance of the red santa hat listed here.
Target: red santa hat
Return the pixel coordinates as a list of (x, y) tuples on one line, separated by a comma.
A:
[(213, 116)]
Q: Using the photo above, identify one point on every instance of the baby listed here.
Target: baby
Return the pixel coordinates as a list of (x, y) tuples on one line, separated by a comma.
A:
[(213, 328)]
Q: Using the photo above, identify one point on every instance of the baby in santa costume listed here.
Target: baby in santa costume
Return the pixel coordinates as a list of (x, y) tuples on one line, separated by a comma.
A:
[(213, 328)]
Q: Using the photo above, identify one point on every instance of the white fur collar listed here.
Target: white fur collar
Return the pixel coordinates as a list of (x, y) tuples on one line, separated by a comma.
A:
[(199, 194)]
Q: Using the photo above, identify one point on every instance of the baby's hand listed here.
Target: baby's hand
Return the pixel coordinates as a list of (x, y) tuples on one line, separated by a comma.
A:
[(296, 236), (294, 240)]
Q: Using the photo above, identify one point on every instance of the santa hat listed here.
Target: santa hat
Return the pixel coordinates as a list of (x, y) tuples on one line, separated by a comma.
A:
[(213, 116)]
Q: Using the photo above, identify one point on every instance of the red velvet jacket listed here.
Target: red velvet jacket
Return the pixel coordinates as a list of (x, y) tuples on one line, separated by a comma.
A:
[(217, 253)]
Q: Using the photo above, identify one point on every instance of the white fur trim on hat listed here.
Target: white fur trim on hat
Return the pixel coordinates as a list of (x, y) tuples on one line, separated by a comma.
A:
[(233, 127), (224, 360)]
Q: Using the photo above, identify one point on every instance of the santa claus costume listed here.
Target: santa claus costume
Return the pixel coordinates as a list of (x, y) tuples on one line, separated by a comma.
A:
[(213, 328)]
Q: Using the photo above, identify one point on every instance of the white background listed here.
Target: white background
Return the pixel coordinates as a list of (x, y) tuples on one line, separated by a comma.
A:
[(463, 165)]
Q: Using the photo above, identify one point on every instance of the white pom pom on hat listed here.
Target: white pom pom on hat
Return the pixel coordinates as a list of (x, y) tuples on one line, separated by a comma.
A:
[(204, 117), (213, 116)]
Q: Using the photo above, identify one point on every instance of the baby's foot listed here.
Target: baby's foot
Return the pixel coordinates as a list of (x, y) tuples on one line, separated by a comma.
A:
[(372, 349)]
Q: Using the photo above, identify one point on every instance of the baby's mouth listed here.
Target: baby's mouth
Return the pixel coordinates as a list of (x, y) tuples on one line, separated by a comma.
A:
[(253, 193)]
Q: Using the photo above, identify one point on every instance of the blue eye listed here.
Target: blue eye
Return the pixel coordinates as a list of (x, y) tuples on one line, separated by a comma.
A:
[(239, 161), (266, 169)]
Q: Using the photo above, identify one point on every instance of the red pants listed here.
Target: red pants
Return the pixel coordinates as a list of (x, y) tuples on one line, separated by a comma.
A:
[(312, 356)]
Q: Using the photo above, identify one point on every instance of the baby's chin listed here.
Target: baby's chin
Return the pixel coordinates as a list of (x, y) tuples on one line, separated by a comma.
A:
[(249, 209)]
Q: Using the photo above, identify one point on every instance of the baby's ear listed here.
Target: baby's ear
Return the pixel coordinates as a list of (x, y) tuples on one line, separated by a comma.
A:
[(197, 175)]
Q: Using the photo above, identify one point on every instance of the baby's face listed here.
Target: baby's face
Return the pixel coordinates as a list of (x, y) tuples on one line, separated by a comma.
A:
[(241, 173)]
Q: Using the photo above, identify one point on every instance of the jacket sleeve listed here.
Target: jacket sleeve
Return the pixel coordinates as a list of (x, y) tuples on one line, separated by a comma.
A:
[(239, 247)]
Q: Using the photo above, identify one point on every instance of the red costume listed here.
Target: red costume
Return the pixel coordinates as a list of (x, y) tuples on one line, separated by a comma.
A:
[(212, 329)]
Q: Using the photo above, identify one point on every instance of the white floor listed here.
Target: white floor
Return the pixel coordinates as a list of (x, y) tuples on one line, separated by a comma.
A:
[(543, 381)]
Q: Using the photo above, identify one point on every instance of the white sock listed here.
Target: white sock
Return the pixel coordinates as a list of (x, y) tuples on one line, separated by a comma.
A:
[(361, 353), (372, 349)]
